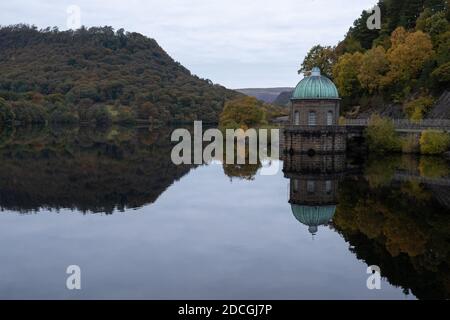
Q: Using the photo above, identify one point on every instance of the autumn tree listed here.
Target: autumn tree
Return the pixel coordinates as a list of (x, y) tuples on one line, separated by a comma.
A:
[(408, 54), (243, 112), (345, 73), (374, 66), (319, 56)]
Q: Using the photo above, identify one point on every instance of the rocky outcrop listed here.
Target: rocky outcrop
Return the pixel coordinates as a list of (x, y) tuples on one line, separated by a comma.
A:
[(392, 111), (441, 110)]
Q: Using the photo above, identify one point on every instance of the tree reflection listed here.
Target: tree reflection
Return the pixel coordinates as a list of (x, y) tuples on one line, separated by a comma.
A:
[(86, 169), (401, 226), (393, 211)]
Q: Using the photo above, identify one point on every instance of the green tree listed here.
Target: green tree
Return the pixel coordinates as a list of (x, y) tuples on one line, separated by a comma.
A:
[(442, 75), (361, 34), (443, 48), (319, 56), (434, 24)]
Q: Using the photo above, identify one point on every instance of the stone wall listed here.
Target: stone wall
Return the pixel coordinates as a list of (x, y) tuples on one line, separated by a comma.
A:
[(314, 180), (315, 165), (313, 192), (441, 109), (320, 107), (320, 140)]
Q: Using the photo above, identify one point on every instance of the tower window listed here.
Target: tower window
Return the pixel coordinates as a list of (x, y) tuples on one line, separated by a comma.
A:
[(312, 121), (297, 118), (330, 118), (295, 186), (310, 186), (328, 186)]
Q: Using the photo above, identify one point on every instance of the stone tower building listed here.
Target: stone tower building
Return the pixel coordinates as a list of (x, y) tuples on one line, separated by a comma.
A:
[(314, 116)]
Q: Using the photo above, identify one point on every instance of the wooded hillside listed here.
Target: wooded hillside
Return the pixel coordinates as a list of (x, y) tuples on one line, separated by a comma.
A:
[(405, 63), (100, 75)]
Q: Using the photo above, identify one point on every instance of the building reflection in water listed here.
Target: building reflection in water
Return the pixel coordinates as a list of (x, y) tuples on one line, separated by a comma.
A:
[(313, 187)]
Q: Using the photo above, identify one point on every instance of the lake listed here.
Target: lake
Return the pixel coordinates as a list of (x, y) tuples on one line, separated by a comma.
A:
[(139, 227)]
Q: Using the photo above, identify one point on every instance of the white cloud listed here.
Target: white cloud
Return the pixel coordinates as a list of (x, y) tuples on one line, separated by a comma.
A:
[(237, 43)]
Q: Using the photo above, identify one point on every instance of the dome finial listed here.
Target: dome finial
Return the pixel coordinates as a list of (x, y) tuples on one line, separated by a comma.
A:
[(315, 72), (313, 230)]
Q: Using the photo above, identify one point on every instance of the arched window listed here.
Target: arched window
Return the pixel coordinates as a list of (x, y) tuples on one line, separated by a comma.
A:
[(312, 121), (329, 118), (296, 118)]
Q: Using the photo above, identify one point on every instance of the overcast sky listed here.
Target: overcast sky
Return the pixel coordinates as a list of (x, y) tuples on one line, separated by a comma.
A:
[(237, 43)]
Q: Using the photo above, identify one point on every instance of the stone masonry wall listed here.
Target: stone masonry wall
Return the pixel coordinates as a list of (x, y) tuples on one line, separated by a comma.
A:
[(321, 141)]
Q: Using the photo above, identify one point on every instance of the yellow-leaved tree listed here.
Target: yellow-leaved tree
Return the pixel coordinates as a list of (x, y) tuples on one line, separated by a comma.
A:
[(374, 66), (345, 73), (408, 54)]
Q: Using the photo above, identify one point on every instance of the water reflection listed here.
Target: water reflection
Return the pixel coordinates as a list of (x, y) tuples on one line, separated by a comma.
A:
[(393, 212), (396, 216), (313, 187), (84, 169)]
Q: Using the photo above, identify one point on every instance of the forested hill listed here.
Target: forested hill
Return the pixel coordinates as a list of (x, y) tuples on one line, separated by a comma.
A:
[(405, 64), (100, 75)]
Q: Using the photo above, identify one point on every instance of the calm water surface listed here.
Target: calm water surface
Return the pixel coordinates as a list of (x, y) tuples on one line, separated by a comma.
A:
[(112, 202)]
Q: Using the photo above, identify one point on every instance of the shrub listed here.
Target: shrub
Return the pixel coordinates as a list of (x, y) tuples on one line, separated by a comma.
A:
[(381, 135), (434, 142)]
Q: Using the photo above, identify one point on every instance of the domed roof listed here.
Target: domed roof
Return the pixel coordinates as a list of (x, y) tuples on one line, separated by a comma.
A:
[(315, 86), (313, 216)]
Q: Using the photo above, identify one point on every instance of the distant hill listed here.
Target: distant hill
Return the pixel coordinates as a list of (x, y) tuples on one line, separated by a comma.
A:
[(100, 75), (267, 95), (283, 98)]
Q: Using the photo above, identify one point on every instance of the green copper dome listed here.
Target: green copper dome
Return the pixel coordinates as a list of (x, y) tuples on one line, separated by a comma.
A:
[(313, 216), (315, 86)]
